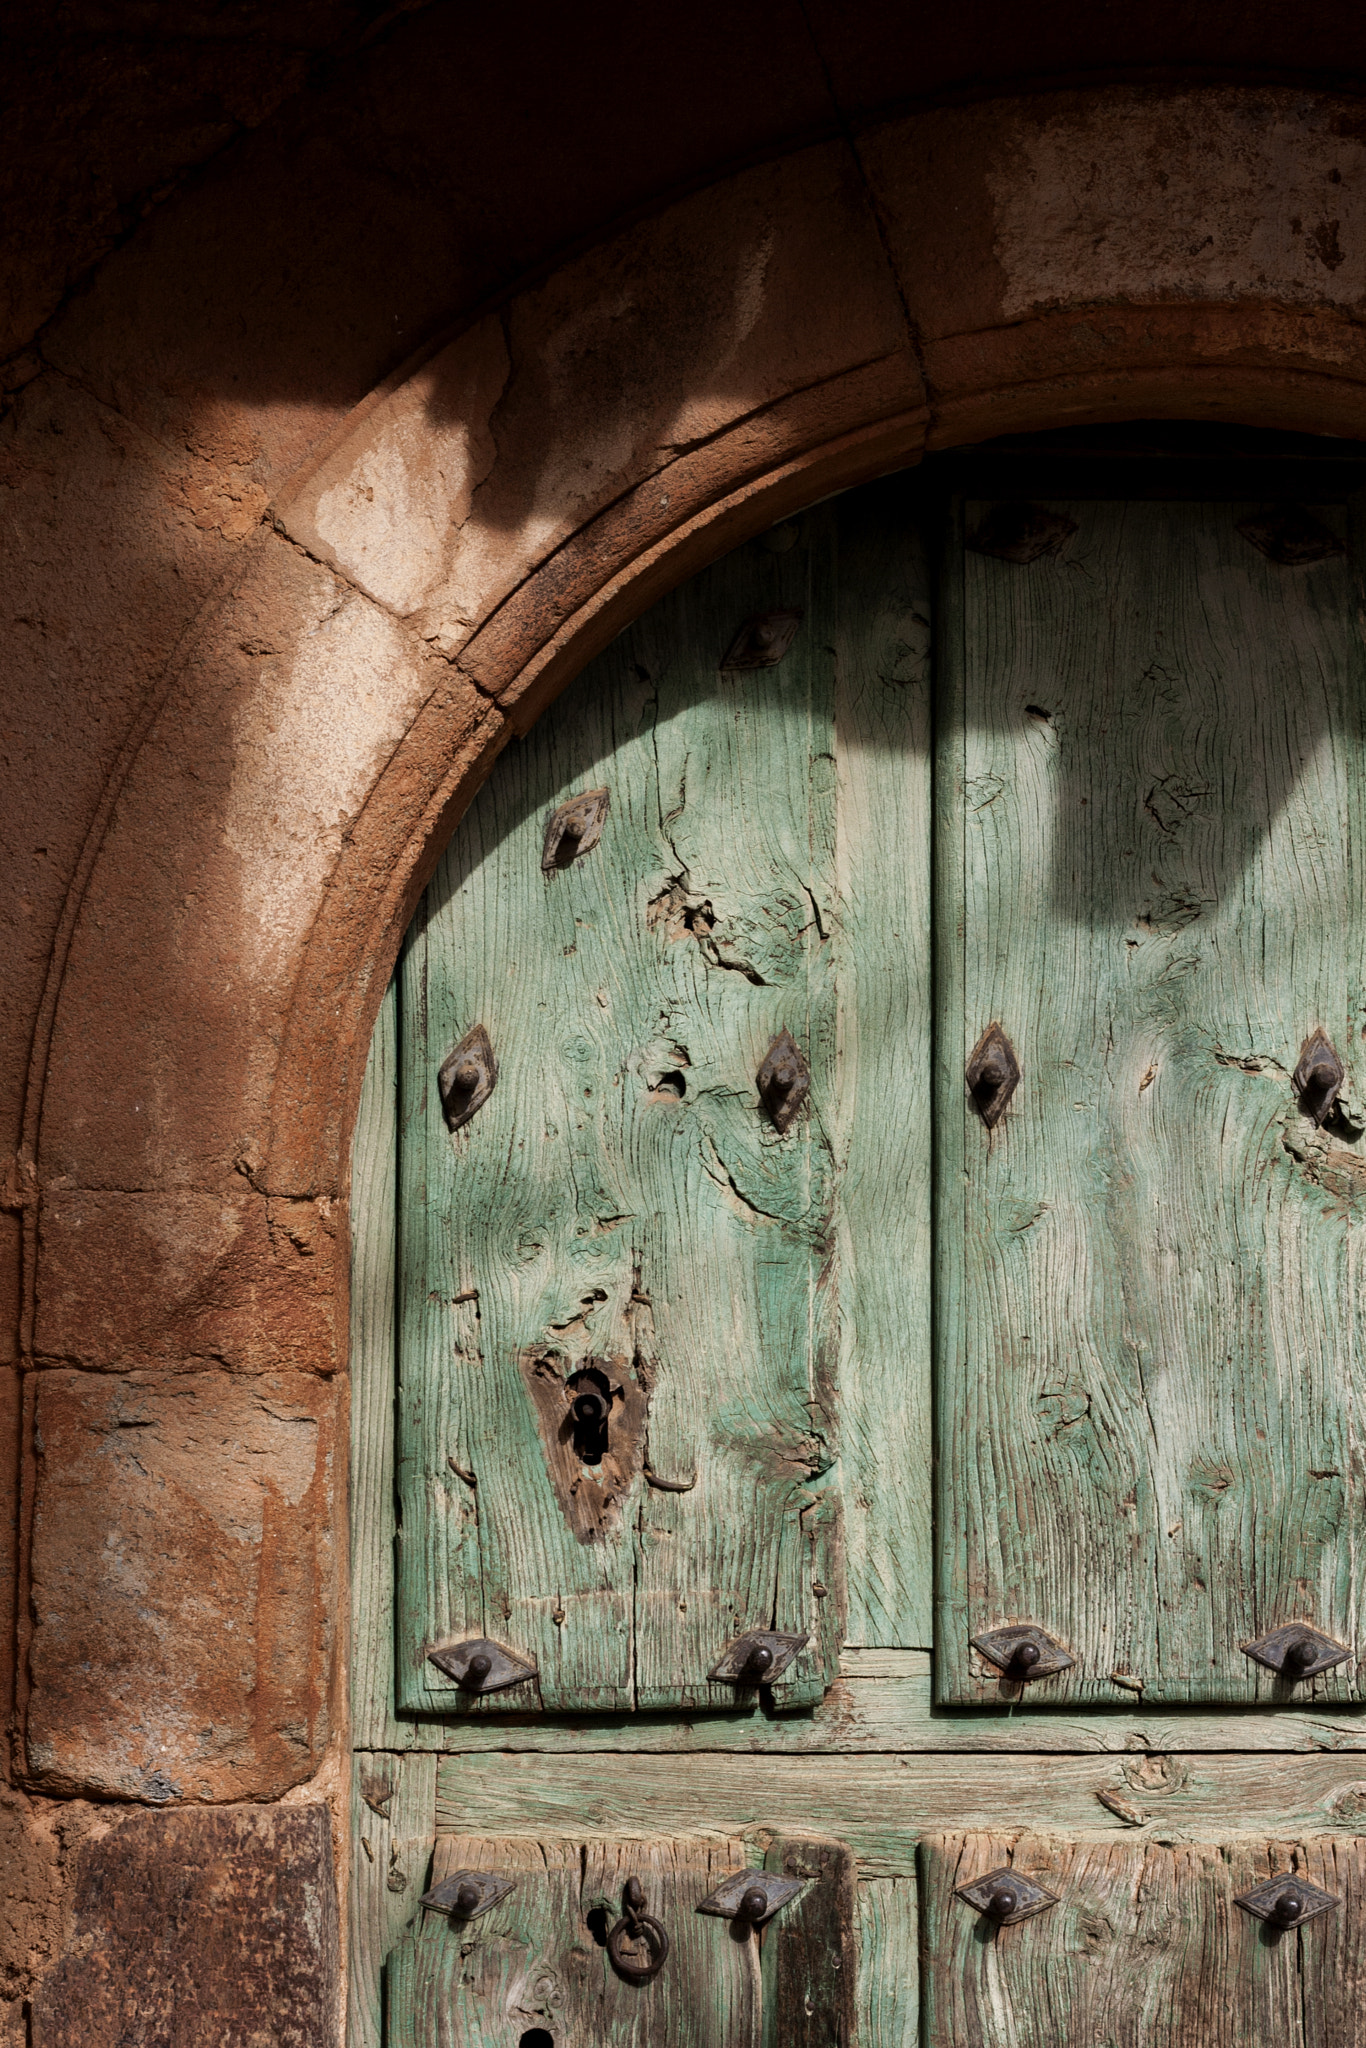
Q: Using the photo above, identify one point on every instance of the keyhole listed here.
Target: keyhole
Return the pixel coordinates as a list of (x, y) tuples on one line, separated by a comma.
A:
[(590, 1408)]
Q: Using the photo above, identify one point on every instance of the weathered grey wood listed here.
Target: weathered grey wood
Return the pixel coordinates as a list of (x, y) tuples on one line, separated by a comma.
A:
[(392, 1831), (810, 1948), (883, 963), (589, 1211), (1152, 788), (538, 1958), (881, 1805), (889, 1963), (374, 1169), (1145, 1948)]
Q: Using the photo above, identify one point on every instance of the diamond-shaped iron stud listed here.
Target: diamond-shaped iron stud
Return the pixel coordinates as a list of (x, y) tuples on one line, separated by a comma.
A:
[(574, 829), (784, 1081), (1319, 1076), (761, 642), (467, 1078), (753, 1896), (1296, 1651), (757, 1658), (1006, 1896), (465, 1894), (1023, 1653), (479, 1665), (993, 1075), (1286, 1901), (1020, 533), (1291, 536)]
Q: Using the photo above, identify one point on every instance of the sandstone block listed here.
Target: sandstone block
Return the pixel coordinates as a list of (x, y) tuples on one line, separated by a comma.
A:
[(200, 1930), (238, 1280), (183, 1583)]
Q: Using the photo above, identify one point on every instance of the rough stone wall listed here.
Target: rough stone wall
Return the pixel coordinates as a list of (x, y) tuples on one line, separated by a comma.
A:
[(273, 606)]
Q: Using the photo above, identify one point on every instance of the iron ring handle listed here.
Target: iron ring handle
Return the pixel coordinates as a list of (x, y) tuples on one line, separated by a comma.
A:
[(636, 1927)]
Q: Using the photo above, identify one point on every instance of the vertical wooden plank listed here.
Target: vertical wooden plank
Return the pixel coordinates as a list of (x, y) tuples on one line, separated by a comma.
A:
[(393, 1822), (740, 1235), (1145, 1948), (889, 1963), (883, 955), (486, 1982), (1151, 1304), (622, 1198), (373, 1208), (539, 1958), (810, 1948)]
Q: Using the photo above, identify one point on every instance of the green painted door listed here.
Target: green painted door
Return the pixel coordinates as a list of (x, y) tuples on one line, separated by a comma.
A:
[(866, 1149), (1150, 849), (632, 1227)]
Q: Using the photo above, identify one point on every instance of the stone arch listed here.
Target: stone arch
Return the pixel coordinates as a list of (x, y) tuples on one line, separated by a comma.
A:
[(480, 527)]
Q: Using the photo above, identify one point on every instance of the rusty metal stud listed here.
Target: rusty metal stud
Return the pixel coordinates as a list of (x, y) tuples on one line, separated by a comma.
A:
[(1023, 1652), (1006, 1896), (753, 1896), (480, 1665), (634, 1927), (993, 1075), (1291, 536), (757, 1658), (784, 1081), (1319, 1076), (1020, 533), (1295, 1651), (467, 1078), (1286, 1901), (574, 829), (465, 1894), (762, 641)]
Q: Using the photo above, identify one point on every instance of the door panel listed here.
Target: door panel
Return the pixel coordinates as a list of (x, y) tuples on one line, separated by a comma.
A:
[(1145, 1947), (1149, 874), (622, 1206), (538, 1959)]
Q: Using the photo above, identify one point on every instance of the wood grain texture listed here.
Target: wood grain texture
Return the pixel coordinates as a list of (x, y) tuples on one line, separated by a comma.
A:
[(883, 965), (373, 1208), (810, 1948), (889, 1963), (1151, 787), (538, 1959), (882, 1701), (393, 1825), (1145, 1948), (621, 1196), (881, 1805)]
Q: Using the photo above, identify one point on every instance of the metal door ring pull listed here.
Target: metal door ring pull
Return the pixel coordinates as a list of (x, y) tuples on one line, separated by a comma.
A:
[(634, 1926)]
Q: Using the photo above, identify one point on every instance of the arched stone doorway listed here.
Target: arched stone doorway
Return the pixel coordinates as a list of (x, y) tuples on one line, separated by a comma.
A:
[(480, 529)]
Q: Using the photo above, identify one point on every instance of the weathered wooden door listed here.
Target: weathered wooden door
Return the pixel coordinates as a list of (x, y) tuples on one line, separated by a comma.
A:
[(909, 993)]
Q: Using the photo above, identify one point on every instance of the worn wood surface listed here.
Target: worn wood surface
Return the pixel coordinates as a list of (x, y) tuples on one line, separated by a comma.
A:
[(393, 1826), (622, 1197), (1151, 787), (374, 1170), (538, 1959), (810, 1948), (881, 932), (888, 1926), (882, 1700), (1145, 1948), (881, 1805)]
